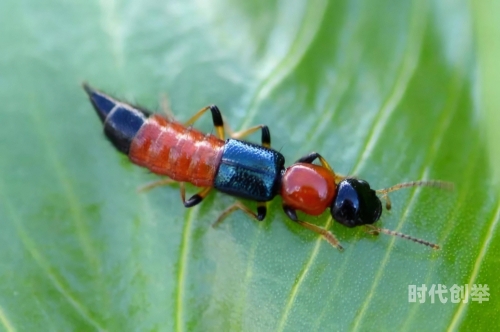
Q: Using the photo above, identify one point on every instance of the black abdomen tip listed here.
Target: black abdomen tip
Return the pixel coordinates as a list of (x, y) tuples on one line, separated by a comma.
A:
[(122, 126), (103, 104), (121, 121)]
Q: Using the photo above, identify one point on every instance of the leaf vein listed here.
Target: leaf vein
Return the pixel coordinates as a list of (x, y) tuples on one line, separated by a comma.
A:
[(310, 25), (457, 317), (45, 266), (5, 321), (182, 273)]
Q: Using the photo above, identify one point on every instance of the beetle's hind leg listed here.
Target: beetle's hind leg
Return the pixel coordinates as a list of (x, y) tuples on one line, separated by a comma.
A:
[(165, 107), (196, 198), (259, 216), (221, 127), (216, 118), (192, 201), (265, 138), (157, 183)]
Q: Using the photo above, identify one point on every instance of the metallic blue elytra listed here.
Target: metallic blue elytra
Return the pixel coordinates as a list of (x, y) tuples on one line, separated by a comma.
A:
[(121, 121), (249, 171)]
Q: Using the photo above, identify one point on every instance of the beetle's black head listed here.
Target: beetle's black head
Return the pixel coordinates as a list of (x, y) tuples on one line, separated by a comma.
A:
[(356, 203)]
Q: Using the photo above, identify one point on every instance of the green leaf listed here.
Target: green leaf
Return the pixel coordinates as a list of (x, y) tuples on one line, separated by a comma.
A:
[(388, 91)]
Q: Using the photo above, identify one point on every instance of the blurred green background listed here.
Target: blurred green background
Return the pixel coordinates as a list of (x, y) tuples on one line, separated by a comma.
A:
[(389, 91)]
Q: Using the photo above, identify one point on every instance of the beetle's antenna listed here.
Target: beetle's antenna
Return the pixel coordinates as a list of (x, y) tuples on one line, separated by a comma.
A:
[(384, 193), (375, 230)]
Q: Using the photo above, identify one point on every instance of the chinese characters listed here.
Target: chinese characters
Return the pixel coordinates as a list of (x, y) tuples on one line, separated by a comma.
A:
[(455, 294)]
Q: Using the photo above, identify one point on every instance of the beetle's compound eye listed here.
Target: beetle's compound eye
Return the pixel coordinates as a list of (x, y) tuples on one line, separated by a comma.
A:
[(356, 203)]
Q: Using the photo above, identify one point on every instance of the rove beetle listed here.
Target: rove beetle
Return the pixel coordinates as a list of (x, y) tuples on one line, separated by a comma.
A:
[(242, 169)]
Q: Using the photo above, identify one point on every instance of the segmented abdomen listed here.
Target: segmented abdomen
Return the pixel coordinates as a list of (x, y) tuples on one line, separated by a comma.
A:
[(182, 153)]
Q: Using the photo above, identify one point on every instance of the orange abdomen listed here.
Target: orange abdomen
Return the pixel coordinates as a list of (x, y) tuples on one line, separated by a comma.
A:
[(182, 153)]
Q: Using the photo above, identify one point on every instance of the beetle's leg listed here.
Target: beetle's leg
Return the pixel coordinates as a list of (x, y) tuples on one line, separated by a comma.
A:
[(309, 158), (165, 107), (216, 118), (260, 215), (157, 183), (196, 198), (321, 231), (220, 127), (261, 210), (266, 135)]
